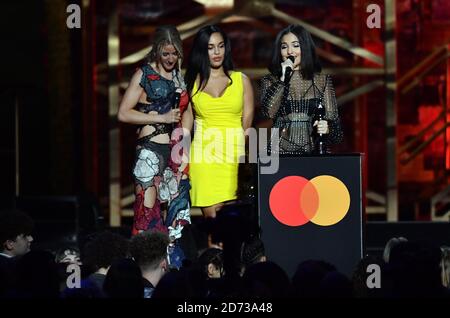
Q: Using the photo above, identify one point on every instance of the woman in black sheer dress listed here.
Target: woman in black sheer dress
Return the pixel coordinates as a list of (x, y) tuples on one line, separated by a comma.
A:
[(295, 93)]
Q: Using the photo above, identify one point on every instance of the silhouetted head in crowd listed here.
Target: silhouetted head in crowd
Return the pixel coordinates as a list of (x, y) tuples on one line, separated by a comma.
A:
[(335, 285), (149, 250), (252, 252), (211, 263), (390, 245), (266, 280), (179, 284), (124, 280), (103, 249), (15, 233), (37, 275), (68, 255), (415, 271), (308, 276)]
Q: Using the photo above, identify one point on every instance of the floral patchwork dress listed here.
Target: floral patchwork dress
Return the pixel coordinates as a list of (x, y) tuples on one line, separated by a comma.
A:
[(154, 165)]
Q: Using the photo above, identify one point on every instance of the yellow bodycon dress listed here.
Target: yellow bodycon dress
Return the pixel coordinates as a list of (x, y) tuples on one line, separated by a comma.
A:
[(218, 144)]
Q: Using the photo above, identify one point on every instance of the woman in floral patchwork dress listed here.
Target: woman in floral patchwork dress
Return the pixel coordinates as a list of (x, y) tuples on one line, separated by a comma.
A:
[(156, 101)]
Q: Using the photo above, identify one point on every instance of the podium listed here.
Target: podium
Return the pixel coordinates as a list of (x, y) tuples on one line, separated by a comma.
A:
[(310, 208)]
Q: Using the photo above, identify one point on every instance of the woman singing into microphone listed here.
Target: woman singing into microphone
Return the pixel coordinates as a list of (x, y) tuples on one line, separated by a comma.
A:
[(295, 92)]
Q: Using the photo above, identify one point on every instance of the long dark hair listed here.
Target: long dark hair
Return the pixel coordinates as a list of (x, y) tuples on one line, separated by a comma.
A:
[(199, 60), (309, 63)]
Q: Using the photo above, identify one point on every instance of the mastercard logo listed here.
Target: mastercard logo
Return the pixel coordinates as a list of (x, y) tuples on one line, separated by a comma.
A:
[(323, 200)]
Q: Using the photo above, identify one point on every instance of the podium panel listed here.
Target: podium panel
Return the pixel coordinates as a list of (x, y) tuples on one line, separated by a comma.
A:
[(311, 209)]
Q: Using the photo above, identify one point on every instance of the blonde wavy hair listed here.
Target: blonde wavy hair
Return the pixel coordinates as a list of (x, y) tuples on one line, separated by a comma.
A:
[(166, 35)]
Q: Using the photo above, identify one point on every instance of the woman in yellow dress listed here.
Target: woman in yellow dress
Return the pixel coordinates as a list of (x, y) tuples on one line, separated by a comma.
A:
[(222, 101)]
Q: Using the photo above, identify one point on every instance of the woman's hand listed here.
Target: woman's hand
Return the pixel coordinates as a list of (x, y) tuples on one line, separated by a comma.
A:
[(322, 127), (172, 116), (284, 65)]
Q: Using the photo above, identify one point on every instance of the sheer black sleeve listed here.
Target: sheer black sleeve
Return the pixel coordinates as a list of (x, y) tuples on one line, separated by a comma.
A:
[(331, 113), (271, 95)]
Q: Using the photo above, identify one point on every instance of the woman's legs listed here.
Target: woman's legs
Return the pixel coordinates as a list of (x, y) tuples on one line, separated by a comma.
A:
[(178, 209), (178, 216), (147, 211), (211, 211), (150, 197), (151, 160)]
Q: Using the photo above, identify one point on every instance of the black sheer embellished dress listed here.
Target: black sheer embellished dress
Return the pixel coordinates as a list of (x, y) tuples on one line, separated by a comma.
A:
[(293, 109)]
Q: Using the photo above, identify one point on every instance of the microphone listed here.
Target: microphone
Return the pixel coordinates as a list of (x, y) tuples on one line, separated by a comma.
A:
[(176, 104), (320, 143), (176, 100), (288, 71)]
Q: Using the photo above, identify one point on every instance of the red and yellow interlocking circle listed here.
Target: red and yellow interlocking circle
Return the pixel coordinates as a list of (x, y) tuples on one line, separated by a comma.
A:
[(323, 200)]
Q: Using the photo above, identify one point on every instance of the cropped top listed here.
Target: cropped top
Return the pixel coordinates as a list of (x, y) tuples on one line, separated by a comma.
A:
[(161, 96)]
